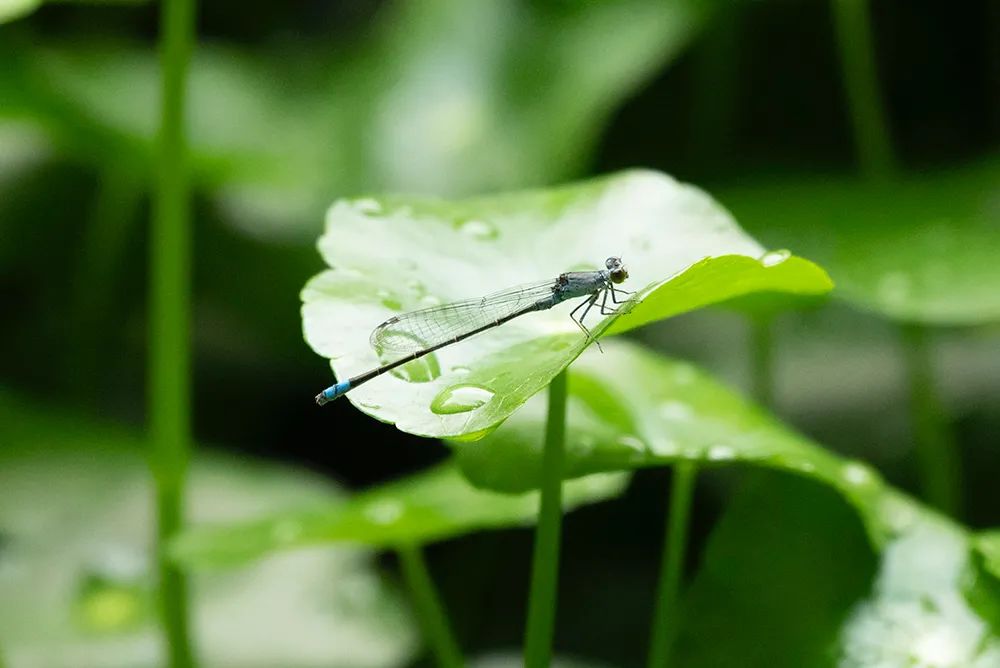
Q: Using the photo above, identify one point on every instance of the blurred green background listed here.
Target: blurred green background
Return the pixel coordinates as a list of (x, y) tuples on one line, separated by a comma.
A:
[(294, 104)]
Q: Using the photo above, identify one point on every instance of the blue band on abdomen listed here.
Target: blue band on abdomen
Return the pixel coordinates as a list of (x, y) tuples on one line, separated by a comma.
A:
[(337, 390)]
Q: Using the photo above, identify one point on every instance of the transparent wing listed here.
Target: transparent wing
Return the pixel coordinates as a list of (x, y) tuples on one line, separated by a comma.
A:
[(417, 330)]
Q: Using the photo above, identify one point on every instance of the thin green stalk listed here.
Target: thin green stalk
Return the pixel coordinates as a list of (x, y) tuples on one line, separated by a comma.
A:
[(936, 450), (169, 322), (545, 565), (852, 25), (762, 359), (109, 223), (430, 613), (665, 616)]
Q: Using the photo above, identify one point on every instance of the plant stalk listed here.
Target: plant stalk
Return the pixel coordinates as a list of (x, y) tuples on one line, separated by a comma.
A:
[(852, 25), (762, 360), (665, 615), (110, 221), (431, 615), (936, 451), (169, 323), (545, 564)]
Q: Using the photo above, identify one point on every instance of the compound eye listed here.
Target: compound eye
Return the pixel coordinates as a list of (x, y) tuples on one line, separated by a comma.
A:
[(612, 262), (619, 275)]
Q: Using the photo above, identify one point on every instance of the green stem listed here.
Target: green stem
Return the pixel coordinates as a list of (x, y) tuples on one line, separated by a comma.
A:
[(665, 616), (545, 565), (936, 449), (857, 61), (109, 223), (169, 322), (762, 359), (430, 613)]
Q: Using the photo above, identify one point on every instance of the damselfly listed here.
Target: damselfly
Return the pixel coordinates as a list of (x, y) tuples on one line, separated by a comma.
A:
[(417, 333)]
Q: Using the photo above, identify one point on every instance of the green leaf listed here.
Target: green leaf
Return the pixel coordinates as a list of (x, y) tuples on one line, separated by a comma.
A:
[(393, 254), (922, 249), (430, 506), (630, 408), (15, 9), (77, 573), (446, 96), (787, 580), (782, 570)]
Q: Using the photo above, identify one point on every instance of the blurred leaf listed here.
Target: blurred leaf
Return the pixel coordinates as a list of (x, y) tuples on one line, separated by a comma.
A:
[(989, 544), (923, 249), (76, 572), (447, 97), (429, 506), (15, 9), (630, 408), (390, 255), (785, 582), (782, 569)]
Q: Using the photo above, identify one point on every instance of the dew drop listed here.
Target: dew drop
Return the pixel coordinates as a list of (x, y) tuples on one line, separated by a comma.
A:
[(857, 473), (368, 206), (108, 605), (461, 370), (631, 442), (675, 410), (775, 257), (665, 448), (460, 399), (479, 230), (897, 514), (721, 453), (384, 512)]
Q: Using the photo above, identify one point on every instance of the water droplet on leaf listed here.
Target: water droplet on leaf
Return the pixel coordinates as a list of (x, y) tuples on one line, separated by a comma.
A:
[(479, 230), (775, 257), (721, 453), (384, 512), (857, 473), (108, 605), (460, 399), (368, 206), (632, 442)]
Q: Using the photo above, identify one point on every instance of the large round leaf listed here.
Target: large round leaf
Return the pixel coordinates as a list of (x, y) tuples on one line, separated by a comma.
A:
[(391, 255), (77, 571), (630, 408), (824, 598), (429, 506), (925, 248)]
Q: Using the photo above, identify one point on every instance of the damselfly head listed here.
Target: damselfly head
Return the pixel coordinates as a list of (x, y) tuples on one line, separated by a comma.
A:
[(617, 270)]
